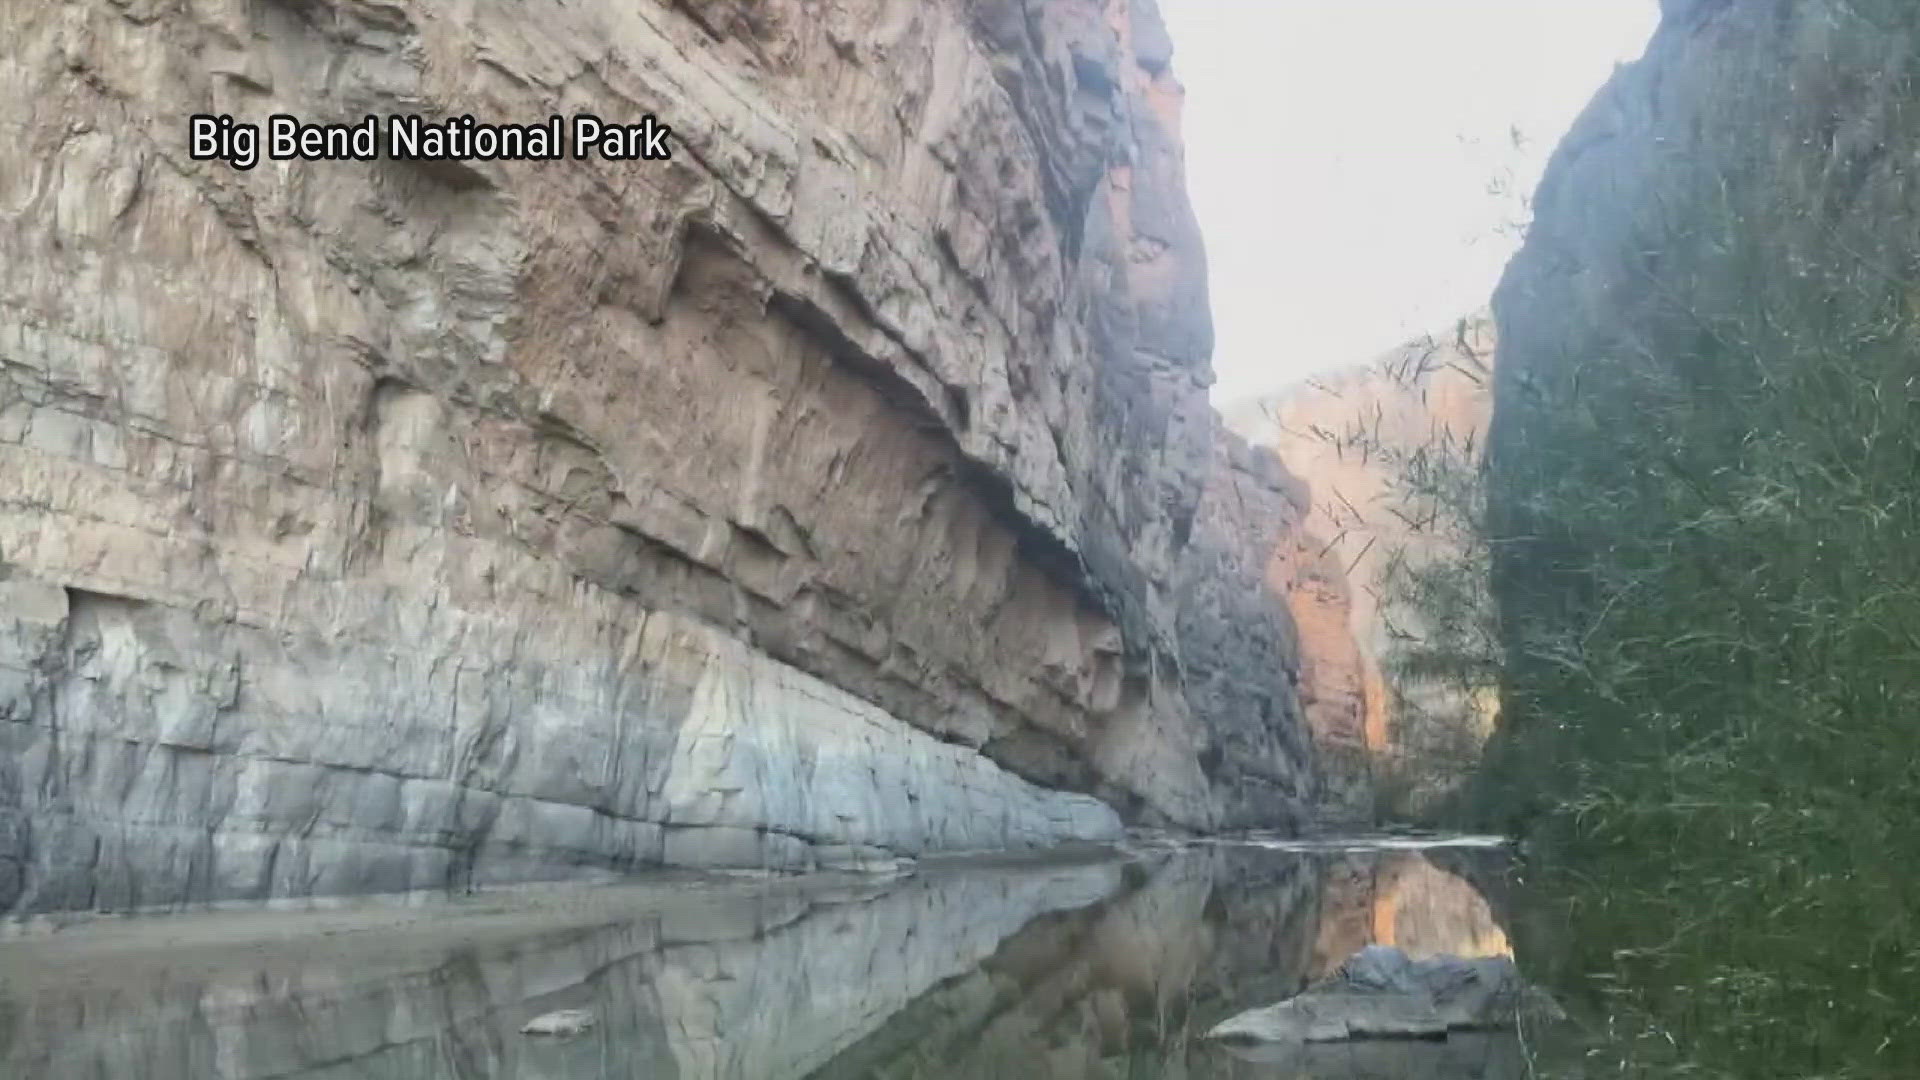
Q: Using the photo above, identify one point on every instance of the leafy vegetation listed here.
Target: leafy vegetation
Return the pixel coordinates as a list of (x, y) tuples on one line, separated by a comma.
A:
[(1438, 659), (1703, 535), (1442, 666)]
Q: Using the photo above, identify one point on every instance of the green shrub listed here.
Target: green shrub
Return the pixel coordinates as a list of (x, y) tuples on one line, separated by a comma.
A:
[(1705, 537)]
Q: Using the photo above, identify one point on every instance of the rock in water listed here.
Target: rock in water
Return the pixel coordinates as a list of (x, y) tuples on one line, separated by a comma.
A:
[(563, 1022), (1382, 993)]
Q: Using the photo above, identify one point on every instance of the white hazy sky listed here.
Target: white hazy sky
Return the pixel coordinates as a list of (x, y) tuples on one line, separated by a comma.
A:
[(1340, 154)]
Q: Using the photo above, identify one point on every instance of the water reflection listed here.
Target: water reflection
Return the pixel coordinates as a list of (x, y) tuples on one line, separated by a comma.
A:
[(1099, 970), (1405, 900)]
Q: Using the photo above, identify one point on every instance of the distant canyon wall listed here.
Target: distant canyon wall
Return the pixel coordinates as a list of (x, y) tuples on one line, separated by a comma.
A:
[(1356, 438), (815, 497)]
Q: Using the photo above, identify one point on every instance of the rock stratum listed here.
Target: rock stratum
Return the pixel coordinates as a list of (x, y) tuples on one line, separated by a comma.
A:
[(816, 497)]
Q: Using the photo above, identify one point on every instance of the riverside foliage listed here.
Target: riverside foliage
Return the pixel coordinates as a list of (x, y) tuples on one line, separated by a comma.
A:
[(1702, 523)]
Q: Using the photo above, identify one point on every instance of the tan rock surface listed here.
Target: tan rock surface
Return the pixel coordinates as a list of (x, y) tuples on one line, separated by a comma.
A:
[(375, 525), (1343, 433), (1334, 689)]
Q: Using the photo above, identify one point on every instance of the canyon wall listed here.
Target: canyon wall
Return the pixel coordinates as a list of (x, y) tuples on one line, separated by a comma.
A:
[(814, 497), (1235, 622), (1372, 445)]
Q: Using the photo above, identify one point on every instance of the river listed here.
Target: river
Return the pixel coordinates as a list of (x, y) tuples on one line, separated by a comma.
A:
[(1110, 967)]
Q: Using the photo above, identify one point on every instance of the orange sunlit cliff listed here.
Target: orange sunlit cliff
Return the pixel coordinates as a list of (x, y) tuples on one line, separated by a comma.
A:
[(1348, 436)]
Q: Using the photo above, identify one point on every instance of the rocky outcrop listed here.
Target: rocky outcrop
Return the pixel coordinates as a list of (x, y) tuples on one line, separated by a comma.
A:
[(726, 759), (1385, 1014), (1364, 442), (1382, 993), (391, 524)]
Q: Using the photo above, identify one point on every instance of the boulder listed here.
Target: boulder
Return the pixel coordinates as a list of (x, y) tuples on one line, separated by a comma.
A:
[(1383, 993)]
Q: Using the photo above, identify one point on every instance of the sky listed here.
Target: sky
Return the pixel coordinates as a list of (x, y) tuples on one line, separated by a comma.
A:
[(1354, 162)]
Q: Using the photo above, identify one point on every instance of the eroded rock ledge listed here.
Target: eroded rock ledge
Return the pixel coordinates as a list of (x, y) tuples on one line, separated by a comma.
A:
[(376, 525)]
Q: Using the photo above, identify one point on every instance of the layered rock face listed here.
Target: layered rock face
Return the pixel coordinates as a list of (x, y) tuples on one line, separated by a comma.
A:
[(812, 496), (1362, 440), (1237, 633)]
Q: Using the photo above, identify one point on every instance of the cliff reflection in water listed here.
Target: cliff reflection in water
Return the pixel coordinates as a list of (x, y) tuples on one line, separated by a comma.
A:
[(1098, 970)]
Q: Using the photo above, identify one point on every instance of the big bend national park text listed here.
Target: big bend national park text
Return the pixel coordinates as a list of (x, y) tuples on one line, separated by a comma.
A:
[(416, 138)]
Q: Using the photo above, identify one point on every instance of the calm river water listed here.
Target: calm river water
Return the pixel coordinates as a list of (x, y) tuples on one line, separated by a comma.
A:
[(1109, 969)]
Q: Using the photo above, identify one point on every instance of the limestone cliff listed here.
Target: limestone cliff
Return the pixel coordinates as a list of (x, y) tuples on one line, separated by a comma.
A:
[(816, 495), (1371, 443)]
